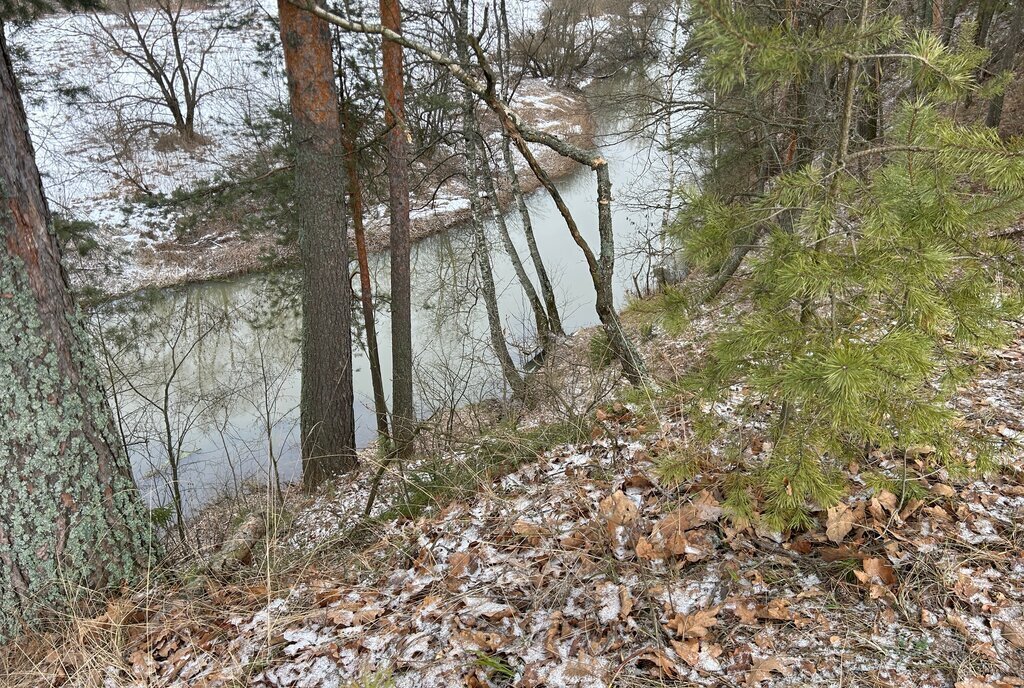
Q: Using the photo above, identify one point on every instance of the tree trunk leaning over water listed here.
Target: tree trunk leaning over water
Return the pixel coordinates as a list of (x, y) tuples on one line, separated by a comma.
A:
[(483, 258), (71, 518), (470, 135), (506, 85), (326, 406), (550, 304), (403, 421), (520, 132), (543, 323)]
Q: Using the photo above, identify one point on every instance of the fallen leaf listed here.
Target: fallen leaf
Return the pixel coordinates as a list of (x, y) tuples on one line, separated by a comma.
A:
[(618, 509), (876, 570), (1013, 631), (625, 602), (763, 668), (888, 500), (776, 610), (694, 625), (839, 522), (688, 650), (458, 563), (915, 451), (553, 634), (657, 664), (526, 529), (645, 550), (957, 622), (745, 610)]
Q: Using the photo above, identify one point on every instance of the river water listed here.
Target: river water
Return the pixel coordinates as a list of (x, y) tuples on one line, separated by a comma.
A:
[(211, 370)]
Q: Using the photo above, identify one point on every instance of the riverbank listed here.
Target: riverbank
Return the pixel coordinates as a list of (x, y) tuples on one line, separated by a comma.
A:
[(439, 202), (119, 182)]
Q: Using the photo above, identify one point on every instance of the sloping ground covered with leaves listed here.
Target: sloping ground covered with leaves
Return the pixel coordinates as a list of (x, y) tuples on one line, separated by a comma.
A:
[(594, 565)]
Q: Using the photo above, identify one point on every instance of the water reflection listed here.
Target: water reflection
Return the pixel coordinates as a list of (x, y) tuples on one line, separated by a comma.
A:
[(205, 379)]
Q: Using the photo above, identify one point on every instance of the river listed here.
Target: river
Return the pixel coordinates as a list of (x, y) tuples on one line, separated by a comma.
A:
[(209, 373)]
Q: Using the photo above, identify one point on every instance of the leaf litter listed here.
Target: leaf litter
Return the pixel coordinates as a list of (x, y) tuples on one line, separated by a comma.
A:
[(581, 569)]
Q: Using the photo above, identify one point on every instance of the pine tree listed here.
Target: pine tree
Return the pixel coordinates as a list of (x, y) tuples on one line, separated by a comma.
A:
[(879, 271), (71, 517), (326, 405)]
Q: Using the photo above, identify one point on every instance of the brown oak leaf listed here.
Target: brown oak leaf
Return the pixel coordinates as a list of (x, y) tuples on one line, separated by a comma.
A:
[(840, 521), (762, 670), (694, 625), (618, 509)]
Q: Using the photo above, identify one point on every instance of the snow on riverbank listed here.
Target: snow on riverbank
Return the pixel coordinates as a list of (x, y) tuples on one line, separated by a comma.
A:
[(106, 149)]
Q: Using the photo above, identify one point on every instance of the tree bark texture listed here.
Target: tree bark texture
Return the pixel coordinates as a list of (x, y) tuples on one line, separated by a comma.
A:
[(470, 134), (326, 405), (483, 260), (403, 422), (71, 518), (1006, 61), (540, 316)]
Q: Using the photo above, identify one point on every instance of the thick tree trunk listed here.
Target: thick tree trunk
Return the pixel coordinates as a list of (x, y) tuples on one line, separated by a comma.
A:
[(326, 405), (350, 136), (402, 420), (70, 514)]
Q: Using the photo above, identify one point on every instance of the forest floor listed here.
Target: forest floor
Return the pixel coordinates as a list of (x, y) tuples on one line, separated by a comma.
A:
[(558, 554)]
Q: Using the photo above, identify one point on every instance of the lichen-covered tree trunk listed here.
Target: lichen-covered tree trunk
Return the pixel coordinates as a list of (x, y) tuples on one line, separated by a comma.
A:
[(326, 418), (70, 514)]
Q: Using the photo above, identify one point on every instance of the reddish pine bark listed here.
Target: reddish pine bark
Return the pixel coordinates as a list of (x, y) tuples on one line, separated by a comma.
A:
[(403, 421), (326, 416), (355, 194)]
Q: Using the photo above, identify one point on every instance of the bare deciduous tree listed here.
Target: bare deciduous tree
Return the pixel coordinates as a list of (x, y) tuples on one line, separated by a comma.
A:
[(170, 44)]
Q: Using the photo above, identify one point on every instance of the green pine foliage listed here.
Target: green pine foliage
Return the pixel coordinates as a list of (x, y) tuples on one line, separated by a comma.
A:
[(877, 278)]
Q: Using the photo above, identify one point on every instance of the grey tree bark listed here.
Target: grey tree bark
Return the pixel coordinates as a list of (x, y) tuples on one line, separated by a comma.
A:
[(550, 303), (1006, 61), (71, 518), (540, 316), (470, 134), (504, 36)]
